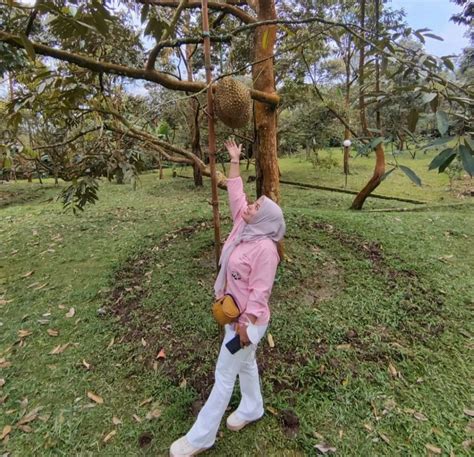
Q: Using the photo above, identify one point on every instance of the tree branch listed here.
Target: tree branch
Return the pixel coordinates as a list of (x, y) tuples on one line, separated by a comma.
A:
[(71, 140), (228, 7), (178, 42), (121, 70), (150, 65)]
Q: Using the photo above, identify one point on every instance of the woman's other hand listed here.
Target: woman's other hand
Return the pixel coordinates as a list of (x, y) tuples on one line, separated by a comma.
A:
[(233, 150), (242, 331)]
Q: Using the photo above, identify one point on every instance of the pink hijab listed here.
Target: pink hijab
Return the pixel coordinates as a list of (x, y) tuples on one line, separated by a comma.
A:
[(268, 222)]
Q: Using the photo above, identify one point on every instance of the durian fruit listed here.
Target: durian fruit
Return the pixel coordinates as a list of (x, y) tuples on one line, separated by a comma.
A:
[(232, 102)]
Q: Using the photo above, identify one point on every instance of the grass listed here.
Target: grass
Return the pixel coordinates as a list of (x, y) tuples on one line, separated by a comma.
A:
[(370, 316)]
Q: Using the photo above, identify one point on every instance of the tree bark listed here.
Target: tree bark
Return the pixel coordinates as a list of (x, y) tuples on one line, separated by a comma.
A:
[(379, 169), (347, 101), (193, 119), (265, 116)]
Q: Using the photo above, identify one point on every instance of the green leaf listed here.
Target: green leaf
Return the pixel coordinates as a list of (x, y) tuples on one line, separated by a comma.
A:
[(467, 159), (145, 9), (448, 62), (155, 28), (411, 174), (28, 46), (101, 24), (441, 158), (469, 142), (427, 97), (387, 173), (434, 104), (432, 35), (438, 142), (442, 122), (413, 119), (376, 141), (265, 39)]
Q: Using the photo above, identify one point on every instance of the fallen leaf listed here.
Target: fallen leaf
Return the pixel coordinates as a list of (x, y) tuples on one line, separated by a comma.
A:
[(70, 313), (470, 427), (153, 414), (2, 382), (87, 365), (99, 400), (29, 273), (137, 418), (30, 417), (4, 363), (4, 302), (433, 449), (385, 438), (44, 418), (392, 370), (143, 342), (420, 416), (272, 410), (318, 436), (341, 347), (53, 332), (6, 430), (468, 444), (368, 427), (60, 349), (111, 342), (116, 421), (161, 354), (24, 333), (61, 307), (324, 448), (41, 286), (110, 436), (469, 412), (270, 340), (25, 428), (183, 384), (145, 402)]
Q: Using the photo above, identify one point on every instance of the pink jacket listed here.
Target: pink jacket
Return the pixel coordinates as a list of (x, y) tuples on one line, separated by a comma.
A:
[(252, 265)]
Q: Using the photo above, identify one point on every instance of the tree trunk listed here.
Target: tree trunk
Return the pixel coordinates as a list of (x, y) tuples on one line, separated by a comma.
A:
[(376, 179), (379, 170), (347, 101), (193, 119), (265, 116)]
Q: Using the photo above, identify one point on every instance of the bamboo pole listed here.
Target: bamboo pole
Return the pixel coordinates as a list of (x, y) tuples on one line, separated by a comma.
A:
[(211, 131)]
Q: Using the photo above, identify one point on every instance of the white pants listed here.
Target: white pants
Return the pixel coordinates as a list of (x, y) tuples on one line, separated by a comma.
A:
[(243, 363)]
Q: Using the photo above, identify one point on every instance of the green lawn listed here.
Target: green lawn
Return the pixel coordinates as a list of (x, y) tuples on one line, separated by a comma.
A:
[(372, 320)]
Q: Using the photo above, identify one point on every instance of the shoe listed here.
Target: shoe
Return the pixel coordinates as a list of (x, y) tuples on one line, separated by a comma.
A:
[(183, 448), (235, 423)]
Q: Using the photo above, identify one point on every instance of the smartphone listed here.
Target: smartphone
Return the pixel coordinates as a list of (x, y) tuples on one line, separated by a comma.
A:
[(234, 344)]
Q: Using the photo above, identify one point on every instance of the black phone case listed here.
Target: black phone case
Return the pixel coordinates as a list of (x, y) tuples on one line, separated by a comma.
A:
[(234, 344)]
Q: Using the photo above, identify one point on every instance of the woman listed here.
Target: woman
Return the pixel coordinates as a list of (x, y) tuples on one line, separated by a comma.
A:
[(248, 265)]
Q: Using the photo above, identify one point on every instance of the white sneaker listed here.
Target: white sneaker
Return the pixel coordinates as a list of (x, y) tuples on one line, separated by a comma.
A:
[(183, 448), (235, 423)]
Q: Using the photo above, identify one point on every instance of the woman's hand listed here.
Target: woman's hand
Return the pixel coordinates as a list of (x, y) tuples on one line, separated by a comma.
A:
[(242, 331), (233, 150)]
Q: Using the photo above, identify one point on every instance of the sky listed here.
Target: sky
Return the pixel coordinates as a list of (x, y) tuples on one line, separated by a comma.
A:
[(435, 14)]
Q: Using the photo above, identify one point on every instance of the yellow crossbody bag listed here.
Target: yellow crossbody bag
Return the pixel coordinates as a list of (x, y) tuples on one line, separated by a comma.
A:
[(225, 310)]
